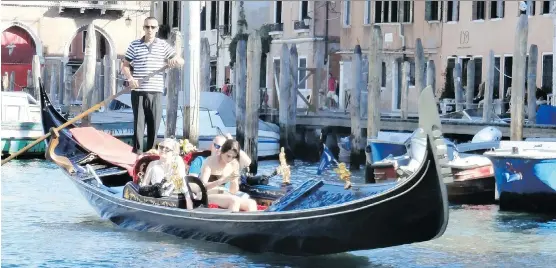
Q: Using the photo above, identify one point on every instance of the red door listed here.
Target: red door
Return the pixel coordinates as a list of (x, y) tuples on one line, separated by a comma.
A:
[(18, 50)]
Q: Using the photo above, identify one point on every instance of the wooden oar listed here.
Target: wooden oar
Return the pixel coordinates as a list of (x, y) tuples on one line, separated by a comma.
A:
[(75, 119)]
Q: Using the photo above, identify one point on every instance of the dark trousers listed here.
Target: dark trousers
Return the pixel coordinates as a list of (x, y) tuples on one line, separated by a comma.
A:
[(147, 110)]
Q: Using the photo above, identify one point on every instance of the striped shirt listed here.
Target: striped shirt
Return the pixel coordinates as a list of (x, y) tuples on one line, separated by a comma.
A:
[(146, 59)]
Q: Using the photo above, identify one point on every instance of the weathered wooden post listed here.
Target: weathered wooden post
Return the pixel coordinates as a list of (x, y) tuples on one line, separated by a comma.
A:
[(457, 87), (373, 98), (68, 96), (319, 77), (419, 65), (204, 72), (375, 69), (191, 31), (470, 89), (36, 74), (518, 78), (406, 73), (285, 100), (532, 84), (12, 81), (174, 83), (489, 88), (254, 53), (5, 81), (355, 111), (98, 90), (292, 108), (109, 76), (54, 90), (89, 73), (30, 78), (240, 72), (431, 77), (61, 82)]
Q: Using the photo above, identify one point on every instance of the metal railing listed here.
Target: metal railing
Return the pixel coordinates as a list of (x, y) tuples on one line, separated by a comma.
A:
[(300, 25), (276, 27)]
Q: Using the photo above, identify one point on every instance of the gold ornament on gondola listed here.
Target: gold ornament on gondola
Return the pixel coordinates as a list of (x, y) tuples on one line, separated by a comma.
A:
[(284, 168), (344, 174), (176, 179)]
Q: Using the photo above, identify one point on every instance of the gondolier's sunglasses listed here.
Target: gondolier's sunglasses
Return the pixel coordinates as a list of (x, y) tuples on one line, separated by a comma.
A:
[(217, 146), (150, 27)]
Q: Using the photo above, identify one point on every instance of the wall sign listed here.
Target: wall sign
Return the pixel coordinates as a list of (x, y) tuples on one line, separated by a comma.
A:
[(464, 37)]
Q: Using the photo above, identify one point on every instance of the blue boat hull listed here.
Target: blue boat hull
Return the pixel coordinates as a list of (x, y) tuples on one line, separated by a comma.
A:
[(526, 184), (381, 150)]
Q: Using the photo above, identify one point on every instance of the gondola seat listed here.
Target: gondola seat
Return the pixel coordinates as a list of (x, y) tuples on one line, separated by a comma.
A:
[(131, 192), (140, 166)]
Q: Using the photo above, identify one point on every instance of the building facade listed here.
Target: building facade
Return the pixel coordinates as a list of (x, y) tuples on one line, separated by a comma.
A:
[(218, 23), (450, 31), (314, 27), (54, 31)]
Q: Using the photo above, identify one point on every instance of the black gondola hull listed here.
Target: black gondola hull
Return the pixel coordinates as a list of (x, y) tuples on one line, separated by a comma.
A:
[(408, 212)]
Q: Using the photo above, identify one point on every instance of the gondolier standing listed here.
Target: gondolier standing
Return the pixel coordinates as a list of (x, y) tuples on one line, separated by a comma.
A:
[(147, 55)]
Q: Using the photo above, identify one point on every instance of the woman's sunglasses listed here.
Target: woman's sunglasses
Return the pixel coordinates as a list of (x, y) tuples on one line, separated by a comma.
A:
[(164, 149)]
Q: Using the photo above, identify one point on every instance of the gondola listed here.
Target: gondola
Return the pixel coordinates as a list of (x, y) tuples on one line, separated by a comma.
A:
[(315, 218)]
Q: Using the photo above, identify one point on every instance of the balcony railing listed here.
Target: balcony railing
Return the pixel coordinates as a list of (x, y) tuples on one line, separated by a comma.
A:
[(277, 27), (110, 5), (300, 25), (103, 6)]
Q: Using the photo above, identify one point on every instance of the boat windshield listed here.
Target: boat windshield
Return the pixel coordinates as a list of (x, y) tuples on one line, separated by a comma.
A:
[(469, 114)]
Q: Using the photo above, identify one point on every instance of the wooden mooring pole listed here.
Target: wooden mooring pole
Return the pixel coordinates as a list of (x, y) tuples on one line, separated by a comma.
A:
[(11, 85), (89, 73), (205, 65), (489, 88), (109, 65), (174, 83), (419, 65), (431, 77), (191, 30), (518, 78), (457, 87), (68, 92), (254, 53), (240, 71), (5, 81), (292, 107), (285, 101), (36, 74), (532, 84), (355, 111), (373, 98), (375, 69), (470, 88), (406, 72)]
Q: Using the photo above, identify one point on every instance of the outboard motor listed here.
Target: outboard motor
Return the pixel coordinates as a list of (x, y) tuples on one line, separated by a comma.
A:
[(487, 134)]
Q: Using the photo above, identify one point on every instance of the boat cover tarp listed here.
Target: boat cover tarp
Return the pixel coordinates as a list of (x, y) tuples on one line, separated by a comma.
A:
[(106, 147), (215, 101), (546, 115)]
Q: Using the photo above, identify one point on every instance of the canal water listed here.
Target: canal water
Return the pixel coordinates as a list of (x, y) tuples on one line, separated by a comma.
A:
[(47, 223)]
